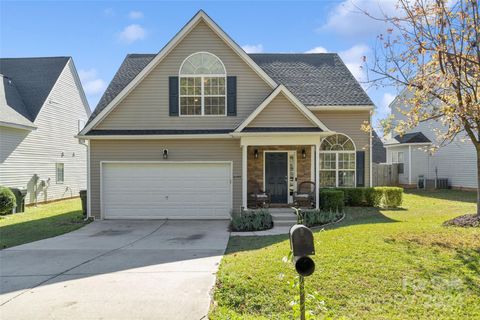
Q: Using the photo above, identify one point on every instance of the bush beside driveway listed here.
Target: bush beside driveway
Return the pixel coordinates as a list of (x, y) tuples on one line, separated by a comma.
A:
[(36, 223), (375, 264)]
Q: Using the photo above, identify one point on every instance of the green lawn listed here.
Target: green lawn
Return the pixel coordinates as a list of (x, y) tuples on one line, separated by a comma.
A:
[(44, 221), (376, 264)]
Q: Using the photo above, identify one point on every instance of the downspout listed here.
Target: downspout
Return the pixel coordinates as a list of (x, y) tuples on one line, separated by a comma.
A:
[(371, 152), (409, 165), (87, 145)]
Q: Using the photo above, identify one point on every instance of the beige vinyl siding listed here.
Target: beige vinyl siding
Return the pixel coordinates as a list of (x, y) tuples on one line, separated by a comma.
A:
[(151, 150), (280, 112), (24, 153), (349, 123), (146, 107)]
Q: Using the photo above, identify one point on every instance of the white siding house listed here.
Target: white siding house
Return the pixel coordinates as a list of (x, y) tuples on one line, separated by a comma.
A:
[(46, 106), (455, 161)]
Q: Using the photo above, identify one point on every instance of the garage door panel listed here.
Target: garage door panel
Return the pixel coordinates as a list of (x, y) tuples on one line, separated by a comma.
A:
[(166, 190)]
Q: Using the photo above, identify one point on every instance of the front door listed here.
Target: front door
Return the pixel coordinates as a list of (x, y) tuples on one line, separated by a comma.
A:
[(276, 176)]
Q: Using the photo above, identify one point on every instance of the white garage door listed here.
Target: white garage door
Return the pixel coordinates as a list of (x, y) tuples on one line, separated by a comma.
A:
[(166, 190)]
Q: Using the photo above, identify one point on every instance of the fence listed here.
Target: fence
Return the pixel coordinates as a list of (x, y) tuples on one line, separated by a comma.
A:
[(384, 174)]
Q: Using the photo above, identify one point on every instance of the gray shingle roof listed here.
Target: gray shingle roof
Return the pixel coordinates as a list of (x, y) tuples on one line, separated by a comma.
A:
[(132, 132), (33, 78), (315, 79), (12, 108), (414, 137)]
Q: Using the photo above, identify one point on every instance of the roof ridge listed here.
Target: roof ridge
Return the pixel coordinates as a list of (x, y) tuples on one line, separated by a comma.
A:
[(25, 58)]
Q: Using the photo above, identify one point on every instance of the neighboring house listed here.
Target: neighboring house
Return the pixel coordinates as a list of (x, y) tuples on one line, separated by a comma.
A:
[(191, 131), (422, 154), (379, 153), (42, 108)]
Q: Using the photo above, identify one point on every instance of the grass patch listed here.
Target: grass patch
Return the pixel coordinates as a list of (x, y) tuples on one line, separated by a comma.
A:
[(44, 221), (375, 264)]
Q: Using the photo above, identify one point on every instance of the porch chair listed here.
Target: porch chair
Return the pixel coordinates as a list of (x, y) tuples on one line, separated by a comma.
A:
[(257, 198), (305, 195)]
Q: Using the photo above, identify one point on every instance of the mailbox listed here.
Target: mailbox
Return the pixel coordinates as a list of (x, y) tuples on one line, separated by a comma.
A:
[(301, 243)]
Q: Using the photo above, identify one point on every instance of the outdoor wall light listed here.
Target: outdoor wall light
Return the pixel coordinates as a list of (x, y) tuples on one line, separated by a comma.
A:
[(255, 153), (165, 153), (304, 154)]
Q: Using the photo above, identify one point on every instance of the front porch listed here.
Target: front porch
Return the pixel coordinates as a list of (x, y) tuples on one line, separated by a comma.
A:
[(274, 167), (279, 170)]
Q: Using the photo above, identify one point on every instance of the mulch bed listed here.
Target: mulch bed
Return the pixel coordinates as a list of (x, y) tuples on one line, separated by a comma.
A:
[(468, 220)]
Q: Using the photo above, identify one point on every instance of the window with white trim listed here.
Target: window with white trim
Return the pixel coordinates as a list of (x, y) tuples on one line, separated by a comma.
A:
[(337, 162), (60, 172), (202, 86), (398, 157)]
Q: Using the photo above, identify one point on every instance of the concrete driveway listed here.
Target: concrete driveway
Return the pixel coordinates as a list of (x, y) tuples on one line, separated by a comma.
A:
[(115, 270)]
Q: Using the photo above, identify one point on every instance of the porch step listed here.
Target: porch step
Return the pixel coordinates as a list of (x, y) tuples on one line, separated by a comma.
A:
[(283, 217), (284, 223)]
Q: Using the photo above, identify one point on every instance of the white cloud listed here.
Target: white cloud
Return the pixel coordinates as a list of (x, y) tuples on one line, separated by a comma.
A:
[(253, 48), (386, 100), (317, 50), (353, 59), (134, 15), (347, 18), (132, 33), (92, 84)]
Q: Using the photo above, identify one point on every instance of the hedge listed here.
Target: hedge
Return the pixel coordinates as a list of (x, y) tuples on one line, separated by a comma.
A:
[(385, 197), (7, 201), (252, 220), (332, 200)]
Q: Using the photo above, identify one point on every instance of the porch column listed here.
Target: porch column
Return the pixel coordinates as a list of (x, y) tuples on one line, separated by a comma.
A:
[(244, 176), (317, 175)]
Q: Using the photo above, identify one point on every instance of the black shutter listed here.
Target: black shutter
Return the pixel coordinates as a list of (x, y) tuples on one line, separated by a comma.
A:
[(173, 96), (231, 96), (360, 165)]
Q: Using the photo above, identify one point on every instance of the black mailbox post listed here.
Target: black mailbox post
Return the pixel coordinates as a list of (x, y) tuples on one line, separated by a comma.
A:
[(301, 243), (302, 246)]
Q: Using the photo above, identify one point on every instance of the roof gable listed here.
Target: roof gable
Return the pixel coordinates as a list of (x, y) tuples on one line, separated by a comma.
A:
[(280, 112), (34, 79), (293, 103), (130, 81)]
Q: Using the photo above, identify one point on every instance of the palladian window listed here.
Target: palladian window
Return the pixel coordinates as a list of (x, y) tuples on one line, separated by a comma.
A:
[(337, 162), (202, 85)]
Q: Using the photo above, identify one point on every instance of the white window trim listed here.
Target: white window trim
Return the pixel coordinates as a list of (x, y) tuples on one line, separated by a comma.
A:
[(56, 173), (202, 95), (337, 169)]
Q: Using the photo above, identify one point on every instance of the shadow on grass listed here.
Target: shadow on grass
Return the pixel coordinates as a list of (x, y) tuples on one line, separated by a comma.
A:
[(353, 216), (451, 195), (32, 230)]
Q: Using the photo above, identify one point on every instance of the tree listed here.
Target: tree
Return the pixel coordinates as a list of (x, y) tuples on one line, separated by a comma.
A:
[(431, 48)]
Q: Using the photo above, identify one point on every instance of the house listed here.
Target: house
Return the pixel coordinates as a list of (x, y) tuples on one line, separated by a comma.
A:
[(423, 156), (190, 131), (379, 153), (42, 108)]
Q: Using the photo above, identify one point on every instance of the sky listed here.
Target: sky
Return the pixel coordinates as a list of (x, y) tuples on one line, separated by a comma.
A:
[(99, 34)]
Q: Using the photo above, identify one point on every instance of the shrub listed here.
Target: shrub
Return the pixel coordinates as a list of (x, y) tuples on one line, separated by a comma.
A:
[(353, 196), (252, 220), (7, 201), (372, 197), (313, 217), (332, 200), (391, 197)]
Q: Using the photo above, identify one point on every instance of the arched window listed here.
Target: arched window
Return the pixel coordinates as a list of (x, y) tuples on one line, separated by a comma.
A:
[(202, 79), (337, 162)]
